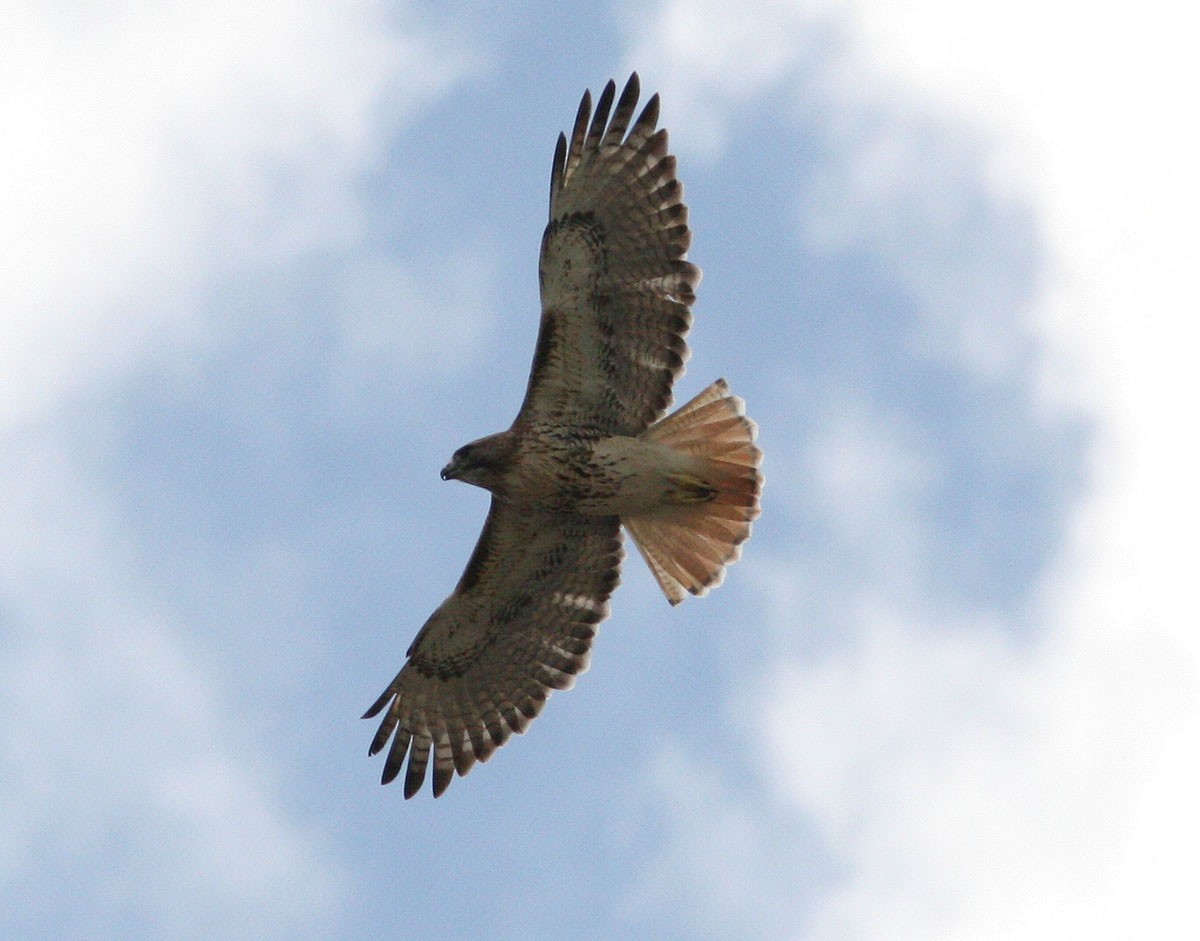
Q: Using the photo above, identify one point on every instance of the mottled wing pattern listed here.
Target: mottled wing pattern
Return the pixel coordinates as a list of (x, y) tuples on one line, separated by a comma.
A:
[(616, 288), (519, 624)]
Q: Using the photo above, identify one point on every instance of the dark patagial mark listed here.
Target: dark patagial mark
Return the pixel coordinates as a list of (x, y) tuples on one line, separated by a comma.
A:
[(548, 343)]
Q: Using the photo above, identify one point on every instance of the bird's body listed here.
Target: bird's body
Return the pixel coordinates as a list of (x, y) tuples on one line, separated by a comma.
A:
[(588, 474), (589, 453)]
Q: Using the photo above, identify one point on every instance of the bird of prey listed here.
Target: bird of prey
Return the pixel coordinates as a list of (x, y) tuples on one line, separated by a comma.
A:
[(589, 453)]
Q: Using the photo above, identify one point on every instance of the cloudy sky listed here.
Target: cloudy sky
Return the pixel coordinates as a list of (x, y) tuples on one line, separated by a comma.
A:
[(264, 266)]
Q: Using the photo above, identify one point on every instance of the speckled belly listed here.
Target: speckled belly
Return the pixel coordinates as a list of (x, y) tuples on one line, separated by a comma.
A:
[(615, 476)]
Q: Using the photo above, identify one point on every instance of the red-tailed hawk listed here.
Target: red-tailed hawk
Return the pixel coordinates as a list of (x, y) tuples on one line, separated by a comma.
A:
[(588, 453)]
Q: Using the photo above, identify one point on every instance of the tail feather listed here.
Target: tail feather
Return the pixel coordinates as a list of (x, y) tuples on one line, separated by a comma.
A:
[(688, 543)]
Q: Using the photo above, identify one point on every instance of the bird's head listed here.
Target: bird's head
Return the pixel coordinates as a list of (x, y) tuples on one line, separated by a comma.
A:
[(483, 463)]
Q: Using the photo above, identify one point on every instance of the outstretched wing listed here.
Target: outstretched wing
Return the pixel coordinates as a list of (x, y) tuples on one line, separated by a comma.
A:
[(616, 288), (519, 624)]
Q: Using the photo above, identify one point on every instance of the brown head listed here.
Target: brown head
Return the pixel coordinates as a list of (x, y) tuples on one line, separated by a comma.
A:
[(484, 463)]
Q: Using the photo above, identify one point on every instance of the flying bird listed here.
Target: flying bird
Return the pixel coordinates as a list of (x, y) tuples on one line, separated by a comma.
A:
[(589, 453)]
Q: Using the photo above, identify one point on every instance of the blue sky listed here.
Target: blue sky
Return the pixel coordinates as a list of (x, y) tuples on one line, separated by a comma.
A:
[(265, 269)]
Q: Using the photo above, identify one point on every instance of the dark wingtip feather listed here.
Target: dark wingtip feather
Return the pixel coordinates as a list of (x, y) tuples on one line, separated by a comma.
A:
[(649, 115), (379, 704), (395, 758), (557, 168), (464, 758), (442, 776), (623, 113), (381, 736), (582, 117), (600, 117), (629, 95), (417, 761), (585, 109)]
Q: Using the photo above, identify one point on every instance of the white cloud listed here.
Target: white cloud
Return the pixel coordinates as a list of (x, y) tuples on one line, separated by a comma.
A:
[(974, 787), (150, 150), (868, 477), (707, 57), (908, 190), (150, 143), (119, 758), (896, 184), (1109, 166)]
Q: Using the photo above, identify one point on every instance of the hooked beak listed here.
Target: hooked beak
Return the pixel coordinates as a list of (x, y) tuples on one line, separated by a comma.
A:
[(451, 471)]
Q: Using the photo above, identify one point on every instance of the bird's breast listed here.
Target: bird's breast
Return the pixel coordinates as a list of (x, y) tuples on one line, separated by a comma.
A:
[(597, 476)]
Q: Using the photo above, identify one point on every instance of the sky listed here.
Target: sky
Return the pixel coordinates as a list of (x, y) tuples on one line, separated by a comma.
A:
[(263, 267)]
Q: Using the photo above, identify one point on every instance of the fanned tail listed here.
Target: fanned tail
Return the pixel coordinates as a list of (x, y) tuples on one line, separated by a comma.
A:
[(689, 541)]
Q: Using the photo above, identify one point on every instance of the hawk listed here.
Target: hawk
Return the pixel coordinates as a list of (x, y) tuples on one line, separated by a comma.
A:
[(589, 453)]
